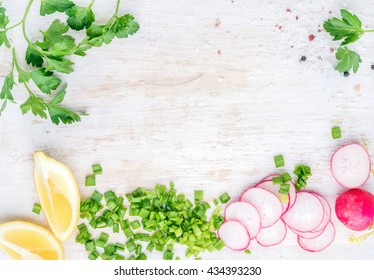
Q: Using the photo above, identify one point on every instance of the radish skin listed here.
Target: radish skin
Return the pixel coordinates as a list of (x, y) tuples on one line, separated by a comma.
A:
[(235, 235), (351, 165), (355, 209)]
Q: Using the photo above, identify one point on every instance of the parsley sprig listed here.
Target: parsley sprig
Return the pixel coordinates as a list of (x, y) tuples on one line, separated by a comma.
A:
[(349, 29), (51, 55)]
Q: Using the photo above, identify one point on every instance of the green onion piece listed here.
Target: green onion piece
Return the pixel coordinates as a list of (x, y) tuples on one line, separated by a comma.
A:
[(90, 181), (37, 208), (142, 257), (199, 195), (286, 177), (116, 228), (119, 257), (284, 189), (120, 247), (90, 245), (97, 169), (135, 224), (128, 232), (247, 252), (168, 255), (151, 247), (215, 202), (138, 249), (336, 133), (110, 249), (279, 161), (277, 180), (302, 172), (177, 258), (96, 196), (219, 245), (100, 243), (104, 237), (130, 245), (93, 256), (132, 258), (224, 198)]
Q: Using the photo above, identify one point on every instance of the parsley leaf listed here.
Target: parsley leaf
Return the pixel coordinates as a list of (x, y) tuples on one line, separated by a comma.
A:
[(348, 28), (4, 19), (125, 26), (34, 57), (4, 39), (60, 114), (61, 65), (36, 105), (55, 35), (45, 80), (80, 17), (51, 6), (347, 60), (7, 87)]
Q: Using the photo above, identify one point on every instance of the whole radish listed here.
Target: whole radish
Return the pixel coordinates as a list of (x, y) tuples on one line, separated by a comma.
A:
[(355, 209)]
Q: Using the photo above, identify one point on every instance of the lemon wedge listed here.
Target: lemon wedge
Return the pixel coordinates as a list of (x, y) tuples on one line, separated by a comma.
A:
[(27, 241), (58, 195)]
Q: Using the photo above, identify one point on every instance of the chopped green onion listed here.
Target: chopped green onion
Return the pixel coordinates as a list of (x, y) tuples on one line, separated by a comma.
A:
[(120, 247), (142, 257), (168, 255), (247, 252), (336, 133), (286, 177), (302, 172), (138, 249), (119, 257), (215, 202), (90, 245), (224, 198), (151, 247), (37, 208), (97, 169), (199, 195), (96, 196), (277, 180), (279, 161), (284, 189), (110, 249), (93, 256), (116, 228), (130, 245), (104, 237), (90, 181), (135, 224)]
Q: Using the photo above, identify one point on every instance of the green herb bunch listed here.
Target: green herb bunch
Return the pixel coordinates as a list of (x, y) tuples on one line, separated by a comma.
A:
[(349, 29), (50, 55)]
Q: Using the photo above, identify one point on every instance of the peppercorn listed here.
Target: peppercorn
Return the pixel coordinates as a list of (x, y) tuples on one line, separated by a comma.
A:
[(346, 74), (303, 58)]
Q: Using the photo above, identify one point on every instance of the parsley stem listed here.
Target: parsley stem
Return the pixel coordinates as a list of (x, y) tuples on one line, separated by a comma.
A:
[(117, 6), (93, 1), (24, 22), (28, 89), (13, 26)]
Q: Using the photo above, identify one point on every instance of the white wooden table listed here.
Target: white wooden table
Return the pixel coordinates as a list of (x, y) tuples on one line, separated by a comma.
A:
[(204, 94)]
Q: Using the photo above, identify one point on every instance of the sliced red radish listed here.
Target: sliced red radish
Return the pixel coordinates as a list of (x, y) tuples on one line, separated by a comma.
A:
[(267, 204), (319, 243), (235, 235), (351, 165), (306, 214), (327, 213), (268, 185), (292, 192), (272, 235), (245, 213), (309, 234)]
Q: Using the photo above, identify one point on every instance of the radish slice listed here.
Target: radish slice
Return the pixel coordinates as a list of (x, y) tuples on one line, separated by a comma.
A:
[(273, 235), (245, 213), (350, 165), (267, 204), (319, 243), (235, 235), (327, 213), (268, 185), (291, 193), (307, 213), (309, 234)]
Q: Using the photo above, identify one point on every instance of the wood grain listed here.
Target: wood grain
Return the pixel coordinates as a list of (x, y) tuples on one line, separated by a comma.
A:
[(204, 94)]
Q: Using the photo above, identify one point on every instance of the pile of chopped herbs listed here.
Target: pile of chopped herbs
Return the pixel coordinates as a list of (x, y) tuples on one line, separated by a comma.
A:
[(155, 219)]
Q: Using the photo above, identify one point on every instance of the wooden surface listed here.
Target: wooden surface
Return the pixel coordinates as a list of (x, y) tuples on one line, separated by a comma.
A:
[(204, 94)]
